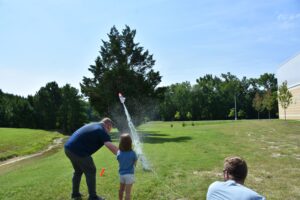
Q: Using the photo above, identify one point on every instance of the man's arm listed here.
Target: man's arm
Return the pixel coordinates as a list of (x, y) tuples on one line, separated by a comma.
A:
[(111, 147)]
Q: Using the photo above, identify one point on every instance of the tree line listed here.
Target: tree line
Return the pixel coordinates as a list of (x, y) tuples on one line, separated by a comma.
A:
[(211, 98), (124, 66), (51, 108), (215, 98)]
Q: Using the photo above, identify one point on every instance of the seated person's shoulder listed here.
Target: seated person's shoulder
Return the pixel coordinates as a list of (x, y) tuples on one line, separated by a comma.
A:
[(254, 195), (216, 184)]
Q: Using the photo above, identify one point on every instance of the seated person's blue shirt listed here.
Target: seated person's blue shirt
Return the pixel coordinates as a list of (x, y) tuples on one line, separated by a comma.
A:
[(126, 162), (230, 190), (87, 140)]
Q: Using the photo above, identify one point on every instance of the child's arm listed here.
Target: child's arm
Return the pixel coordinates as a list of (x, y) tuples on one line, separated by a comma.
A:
[(135, 163)]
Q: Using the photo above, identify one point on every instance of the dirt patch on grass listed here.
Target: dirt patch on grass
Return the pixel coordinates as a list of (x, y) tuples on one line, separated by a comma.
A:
[(56, 143), (297, 156), (213, 173), (277, 155)]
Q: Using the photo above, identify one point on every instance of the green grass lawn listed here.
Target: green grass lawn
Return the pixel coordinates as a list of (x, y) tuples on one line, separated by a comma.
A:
[(17, 142), (185, 160)]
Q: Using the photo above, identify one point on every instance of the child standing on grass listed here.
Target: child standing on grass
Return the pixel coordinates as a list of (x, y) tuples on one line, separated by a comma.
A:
[(127, 160)]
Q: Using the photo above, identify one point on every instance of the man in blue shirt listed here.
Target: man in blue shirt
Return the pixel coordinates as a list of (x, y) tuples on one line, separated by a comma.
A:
[(79, 148), (235, 172)]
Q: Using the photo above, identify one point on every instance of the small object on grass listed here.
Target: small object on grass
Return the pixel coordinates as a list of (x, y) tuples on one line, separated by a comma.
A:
[(102, 172)]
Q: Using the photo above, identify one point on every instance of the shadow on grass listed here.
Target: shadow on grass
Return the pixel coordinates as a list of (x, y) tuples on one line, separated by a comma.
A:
[(116, 135), (154, 137), (156, 140)]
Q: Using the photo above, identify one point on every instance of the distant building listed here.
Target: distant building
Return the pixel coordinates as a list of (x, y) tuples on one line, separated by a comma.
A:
[(290, 72)]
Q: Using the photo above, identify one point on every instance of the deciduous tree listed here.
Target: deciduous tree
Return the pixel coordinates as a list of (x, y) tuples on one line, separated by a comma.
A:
[(257, 104), (284, 97)]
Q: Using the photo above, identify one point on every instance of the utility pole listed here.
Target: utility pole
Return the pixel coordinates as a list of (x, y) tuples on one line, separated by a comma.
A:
[(235, 118)]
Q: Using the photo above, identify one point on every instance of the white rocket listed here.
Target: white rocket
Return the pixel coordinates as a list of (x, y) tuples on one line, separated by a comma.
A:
[(122, 99)]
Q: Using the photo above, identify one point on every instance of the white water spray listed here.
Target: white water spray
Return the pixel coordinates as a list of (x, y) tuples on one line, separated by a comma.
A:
[(135, 137)]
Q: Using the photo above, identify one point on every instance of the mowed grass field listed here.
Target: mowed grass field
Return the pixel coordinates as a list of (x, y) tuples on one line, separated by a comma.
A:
[(18, 142), (185, 160)]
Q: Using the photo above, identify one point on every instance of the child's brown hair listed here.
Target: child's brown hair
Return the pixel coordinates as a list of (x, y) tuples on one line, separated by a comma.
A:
[(125, 142)]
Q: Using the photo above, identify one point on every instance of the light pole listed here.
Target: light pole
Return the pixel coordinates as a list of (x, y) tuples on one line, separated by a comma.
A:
[(235, 117)]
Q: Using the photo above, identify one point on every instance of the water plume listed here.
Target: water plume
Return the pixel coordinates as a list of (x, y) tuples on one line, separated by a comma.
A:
[(135, 137)]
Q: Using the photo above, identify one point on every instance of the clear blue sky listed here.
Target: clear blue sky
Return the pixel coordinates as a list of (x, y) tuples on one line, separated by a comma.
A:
[(57, 40)]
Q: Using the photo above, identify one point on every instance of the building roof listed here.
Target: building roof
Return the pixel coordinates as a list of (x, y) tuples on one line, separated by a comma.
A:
[(290, 72)]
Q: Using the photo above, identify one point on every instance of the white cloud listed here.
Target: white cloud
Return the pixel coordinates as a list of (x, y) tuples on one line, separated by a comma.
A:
[(288, 21), (288, 17)]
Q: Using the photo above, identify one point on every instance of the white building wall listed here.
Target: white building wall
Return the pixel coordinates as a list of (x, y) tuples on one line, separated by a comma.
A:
[(290, 72)]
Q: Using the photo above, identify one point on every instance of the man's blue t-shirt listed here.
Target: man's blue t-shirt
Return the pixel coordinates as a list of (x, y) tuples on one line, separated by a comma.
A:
[(126, 162), (87, 140), (230, 190)]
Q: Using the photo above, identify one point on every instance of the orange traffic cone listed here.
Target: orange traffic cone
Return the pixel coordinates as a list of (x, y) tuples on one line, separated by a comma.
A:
[(102, 172)]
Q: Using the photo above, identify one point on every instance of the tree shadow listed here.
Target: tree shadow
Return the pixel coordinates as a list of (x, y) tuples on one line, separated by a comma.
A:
[(151, 133), (115, 135), (154, 137)]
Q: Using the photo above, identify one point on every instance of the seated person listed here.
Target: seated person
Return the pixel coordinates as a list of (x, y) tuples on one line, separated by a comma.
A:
[(232, 188)]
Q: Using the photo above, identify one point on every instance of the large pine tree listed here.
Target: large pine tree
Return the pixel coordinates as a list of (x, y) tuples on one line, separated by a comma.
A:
[(122, 66)]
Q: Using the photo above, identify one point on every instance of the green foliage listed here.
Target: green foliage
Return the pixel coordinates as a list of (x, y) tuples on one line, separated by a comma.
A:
[(72, 111), (189, 115), (207, 97), (268, 82), (284, 97), (231, 86), (241, 114), (64, 109), (177, 115), (231, 113), (15, 111), (212, 97), (51, 108), (269, 100), (258, 103), (123, 66), (59, 108), (177, 97), (47, 102)]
